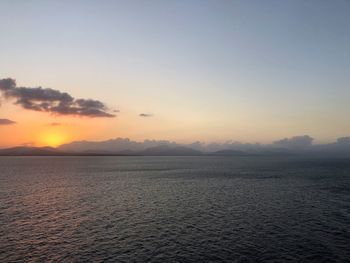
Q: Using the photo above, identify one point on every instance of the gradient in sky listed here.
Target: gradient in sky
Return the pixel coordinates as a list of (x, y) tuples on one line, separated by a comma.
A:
[(198, 70)]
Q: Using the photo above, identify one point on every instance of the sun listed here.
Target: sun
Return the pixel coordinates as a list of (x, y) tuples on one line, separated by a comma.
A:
[(53, 138)]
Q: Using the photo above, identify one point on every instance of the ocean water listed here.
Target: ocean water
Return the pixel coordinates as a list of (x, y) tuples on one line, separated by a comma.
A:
[(174, 209)]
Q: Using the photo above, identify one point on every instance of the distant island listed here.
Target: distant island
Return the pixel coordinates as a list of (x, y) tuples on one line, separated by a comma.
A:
[(173, 150), (294, 146), (162, 150)]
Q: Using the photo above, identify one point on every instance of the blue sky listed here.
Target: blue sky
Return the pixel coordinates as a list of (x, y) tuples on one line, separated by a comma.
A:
[(206, 70)]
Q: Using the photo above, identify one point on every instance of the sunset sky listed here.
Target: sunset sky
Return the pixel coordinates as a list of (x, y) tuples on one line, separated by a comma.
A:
[(251, 71)]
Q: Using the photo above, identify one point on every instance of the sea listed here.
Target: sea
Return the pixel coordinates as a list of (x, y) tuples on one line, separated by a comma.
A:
[(174, 209)]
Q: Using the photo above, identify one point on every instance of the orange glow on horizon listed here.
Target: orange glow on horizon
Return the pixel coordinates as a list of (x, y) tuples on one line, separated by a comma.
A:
[(53, 138)]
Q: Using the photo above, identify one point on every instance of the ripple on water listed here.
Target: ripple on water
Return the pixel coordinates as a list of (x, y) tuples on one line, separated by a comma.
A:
[(166, 209)]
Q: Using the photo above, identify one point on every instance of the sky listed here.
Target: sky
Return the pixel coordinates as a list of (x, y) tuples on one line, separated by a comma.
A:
[(212, 71)]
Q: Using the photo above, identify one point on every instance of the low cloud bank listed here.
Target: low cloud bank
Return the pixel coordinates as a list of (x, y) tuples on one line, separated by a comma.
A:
[(53, 101), (296, 142), (119, 144), (294, 145)]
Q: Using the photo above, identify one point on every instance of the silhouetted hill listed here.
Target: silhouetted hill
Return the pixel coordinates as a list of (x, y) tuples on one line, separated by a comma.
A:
[(113, 145), (23, 151), (296, 145), (330, 150), (163, 150), (49, 151)]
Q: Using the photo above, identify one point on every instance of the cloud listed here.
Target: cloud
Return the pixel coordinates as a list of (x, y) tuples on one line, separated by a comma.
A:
[(118, 144), (55, 124), (343, 140), (294, 145), (145, 115), (296, 142), (6, 122), (53, 101)]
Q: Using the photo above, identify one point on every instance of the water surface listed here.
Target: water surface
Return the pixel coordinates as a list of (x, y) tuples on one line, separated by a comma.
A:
[(174, 209)]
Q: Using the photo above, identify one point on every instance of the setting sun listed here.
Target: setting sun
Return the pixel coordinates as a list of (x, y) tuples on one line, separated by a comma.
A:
[(175, 131), (53, 138)]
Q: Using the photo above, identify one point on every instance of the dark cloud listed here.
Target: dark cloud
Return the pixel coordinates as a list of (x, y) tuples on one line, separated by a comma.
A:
[(53, 101), (6, 122), (145, 115)]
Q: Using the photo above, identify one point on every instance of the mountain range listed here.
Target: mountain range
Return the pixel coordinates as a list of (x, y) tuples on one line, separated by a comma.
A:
[(162, 150), (298, 145)]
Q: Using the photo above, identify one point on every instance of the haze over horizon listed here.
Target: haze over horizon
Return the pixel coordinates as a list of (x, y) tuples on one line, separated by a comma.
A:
[(182, 71)]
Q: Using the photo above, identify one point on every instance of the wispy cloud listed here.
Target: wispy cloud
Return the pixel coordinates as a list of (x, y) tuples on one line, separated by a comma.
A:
[(53, 101), (6, 122), (145, 115)]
